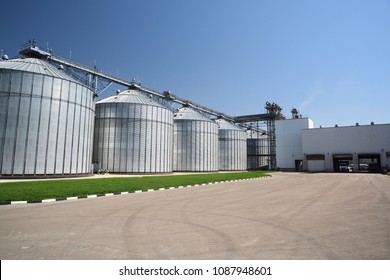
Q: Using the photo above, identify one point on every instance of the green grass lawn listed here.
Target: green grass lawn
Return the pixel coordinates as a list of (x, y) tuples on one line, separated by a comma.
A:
[(38, 190)]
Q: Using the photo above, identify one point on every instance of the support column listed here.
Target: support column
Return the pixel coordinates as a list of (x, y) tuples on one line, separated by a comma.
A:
[(304, 163), (355, 161)]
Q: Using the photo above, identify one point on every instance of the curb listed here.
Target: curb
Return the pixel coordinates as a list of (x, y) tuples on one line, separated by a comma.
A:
[(121, 193)]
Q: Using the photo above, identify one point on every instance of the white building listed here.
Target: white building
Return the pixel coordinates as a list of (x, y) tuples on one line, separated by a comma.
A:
[(362, 147), (299, 146), (289, 153)]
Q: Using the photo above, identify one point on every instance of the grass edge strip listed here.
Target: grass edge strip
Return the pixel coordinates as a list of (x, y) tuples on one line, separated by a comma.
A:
[(122, 193)]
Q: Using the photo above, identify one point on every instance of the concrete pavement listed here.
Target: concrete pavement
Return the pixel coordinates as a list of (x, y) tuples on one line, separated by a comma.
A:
[(288, 216)]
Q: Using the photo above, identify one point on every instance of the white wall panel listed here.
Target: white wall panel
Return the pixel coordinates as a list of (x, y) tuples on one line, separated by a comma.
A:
[(289, 141), (362, 139), (21, 134)]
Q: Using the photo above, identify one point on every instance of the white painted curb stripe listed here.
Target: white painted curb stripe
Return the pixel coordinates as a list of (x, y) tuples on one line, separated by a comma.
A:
[(18, 202)]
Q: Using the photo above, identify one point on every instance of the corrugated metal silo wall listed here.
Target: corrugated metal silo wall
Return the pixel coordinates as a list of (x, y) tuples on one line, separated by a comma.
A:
[(195, 145), (133, 138), (46, 125), (257, 150), (232, 150)]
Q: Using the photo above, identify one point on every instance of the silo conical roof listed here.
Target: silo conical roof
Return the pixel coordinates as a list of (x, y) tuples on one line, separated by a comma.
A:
[(223, 124), (134, 96), (187, 113), (35, 65)]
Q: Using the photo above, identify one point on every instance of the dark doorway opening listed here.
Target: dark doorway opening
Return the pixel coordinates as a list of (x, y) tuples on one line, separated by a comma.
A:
[(370, 163), (342, 162), (298, 165)]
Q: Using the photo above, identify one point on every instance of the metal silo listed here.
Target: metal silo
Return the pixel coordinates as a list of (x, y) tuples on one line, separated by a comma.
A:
[(133, 134), (195, 142), (232, 146), (257, 150), (46, 120)]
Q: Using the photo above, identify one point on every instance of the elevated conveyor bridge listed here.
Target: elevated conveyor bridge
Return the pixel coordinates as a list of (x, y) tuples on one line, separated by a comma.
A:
[(98, 81)]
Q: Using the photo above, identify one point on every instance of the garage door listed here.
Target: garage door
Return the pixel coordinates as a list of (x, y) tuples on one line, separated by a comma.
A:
[(315, 165)]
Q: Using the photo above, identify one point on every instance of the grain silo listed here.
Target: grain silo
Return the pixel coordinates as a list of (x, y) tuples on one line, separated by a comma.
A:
[(46, 120), (133, 134), (195, 142), (232, 146), (257, 150)]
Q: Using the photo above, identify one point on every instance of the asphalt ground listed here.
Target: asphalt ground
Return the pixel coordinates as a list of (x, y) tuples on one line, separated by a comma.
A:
[(286, 216)]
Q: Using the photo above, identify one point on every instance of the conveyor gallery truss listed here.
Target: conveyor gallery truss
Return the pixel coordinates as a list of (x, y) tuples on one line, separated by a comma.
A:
[(99, 81)]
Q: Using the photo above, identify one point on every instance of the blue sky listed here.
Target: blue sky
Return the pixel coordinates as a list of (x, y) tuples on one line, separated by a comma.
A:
[(330, 59)]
